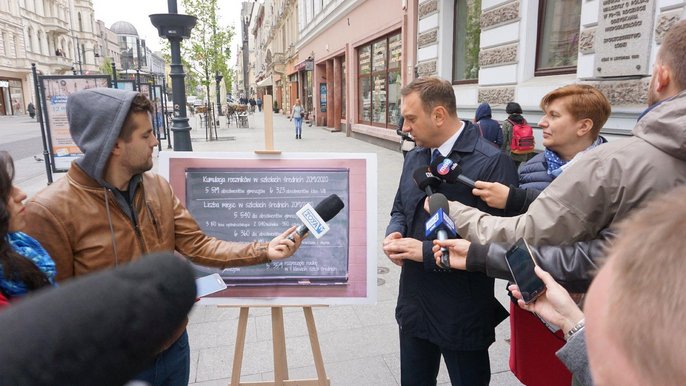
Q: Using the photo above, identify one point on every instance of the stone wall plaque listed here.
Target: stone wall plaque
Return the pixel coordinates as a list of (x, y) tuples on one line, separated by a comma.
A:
[(623, 37)]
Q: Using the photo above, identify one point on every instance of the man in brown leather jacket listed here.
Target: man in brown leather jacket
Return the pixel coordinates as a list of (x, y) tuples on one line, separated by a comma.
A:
[(110, 209)]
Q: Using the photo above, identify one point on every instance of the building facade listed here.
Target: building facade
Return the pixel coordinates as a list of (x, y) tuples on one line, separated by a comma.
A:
[(499, 51)]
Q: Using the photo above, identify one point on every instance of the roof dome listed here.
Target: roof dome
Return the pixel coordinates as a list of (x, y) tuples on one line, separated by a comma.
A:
[(124, 28)]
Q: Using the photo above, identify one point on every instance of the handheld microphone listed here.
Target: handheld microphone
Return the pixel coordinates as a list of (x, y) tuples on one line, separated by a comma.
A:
[(327, 209), (440, 226), (449, 171), (425, 180), (99, 329)]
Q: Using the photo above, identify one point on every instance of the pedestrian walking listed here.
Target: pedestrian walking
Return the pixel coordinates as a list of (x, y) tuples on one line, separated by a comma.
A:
[(31, 109), (297, 115), (259, 104)]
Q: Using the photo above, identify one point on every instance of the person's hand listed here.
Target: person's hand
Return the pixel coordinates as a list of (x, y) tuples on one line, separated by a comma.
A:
[(555, 305), (399, 248), (281, 247), (457, 248), (494, 194)]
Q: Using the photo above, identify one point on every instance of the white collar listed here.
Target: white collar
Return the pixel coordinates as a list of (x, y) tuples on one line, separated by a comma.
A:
[(447, 146)]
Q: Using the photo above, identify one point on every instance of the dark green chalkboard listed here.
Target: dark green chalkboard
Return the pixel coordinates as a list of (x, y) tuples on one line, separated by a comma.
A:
[(256, 204)]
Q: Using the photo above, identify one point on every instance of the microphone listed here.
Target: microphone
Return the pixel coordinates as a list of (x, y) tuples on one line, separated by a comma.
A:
[(449, 171), (440, 226), (99, 329), (327, 209), (425, 180)]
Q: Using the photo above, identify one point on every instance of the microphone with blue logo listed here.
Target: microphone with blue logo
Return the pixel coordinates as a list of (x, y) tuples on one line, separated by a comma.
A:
[(315, 219), (449, 171), (440, 226)]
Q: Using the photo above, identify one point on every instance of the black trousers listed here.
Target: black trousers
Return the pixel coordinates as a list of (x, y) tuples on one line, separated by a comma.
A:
[(420, 361)]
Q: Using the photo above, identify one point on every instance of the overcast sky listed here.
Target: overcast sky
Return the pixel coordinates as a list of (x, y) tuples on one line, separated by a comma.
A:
[(136, 12)]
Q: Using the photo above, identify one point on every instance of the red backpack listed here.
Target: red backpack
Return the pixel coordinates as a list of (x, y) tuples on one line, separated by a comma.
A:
[(522, 138)]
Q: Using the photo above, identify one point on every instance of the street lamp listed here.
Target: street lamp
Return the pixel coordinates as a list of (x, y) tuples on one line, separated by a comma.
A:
[(218, 78), (175, 28)]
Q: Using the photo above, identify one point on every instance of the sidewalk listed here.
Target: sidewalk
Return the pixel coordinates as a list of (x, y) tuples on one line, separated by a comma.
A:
[(359, 343)]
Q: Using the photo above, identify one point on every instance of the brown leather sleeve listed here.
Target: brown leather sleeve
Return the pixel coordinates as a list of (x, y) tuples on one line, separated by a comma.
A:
[(201, 249)]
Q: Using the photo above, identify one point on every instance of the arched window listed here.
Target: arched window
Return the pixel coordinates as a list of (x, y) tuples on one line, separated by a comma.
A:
[(40, 42), (29, 39), (80, 22)]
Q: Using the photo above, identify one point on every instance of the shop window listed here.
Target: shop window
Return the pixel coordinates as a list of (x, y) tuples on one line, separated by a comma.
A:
[(379, 65), (466, 41), (558, 36)]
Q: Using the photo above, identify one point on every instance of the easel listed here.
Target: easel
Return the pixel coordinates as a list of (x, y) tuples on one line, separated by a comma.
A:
[(268, 129), (279, 344)]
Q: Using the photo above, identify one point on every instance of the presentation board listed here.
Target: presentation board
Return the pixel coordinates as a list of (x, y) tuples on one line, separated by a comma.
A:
[(244, 197)]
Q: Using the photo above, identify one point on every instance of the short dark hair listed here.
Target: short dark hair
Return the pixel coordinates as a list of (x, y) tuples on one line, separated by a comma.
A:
[(513, 108), (673, 52), (433, 92), (139, 104)]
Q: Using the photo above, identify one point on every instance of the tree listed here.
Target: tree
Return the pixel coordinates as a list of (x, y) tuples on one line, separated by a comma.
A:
[(205, 50), (106, 66)]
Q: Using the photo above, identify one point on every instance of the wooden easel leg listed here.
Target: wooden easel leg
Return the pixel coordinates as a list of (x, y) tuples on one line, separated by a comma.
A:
[(316, 349), (240, 346), (279, 335)]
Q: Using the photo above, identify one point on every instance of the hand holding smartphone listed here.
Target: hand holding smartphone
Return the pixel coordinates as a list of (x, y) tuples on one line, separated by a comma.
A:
[(521, 264)]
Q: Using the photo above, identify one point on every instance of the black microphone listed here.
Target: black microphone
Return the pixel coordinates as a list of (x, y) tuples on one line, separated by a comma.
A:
[(425, 180), (440, 225), (449, 171), (99, 329), (327, 209)]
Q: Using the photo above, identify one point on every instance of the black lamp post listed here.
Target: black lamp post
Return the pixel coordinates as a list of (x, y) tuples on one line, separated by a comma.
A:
[(175, 28), (138, 65), (114, 74), (218, 78)]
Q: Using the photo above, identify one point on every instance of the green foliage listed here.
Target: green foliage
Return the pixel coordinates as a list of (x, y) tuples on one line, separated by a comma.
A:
[(106, 66), (473, 39), (206, 53)]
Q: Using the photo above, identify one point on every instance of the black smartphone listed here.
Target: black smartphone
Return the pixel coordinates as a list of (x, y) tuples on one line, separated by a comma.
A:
[(521, 264)]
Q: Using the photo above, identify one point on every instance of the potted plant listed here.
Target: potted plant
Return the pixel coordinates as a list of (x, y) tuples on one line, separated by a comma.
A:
[(276, 107)]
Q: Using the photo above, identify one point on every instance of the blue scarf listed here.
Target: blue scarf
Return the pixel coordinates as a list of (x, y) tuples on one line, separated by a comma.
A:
[(24, 245), (557, 165)]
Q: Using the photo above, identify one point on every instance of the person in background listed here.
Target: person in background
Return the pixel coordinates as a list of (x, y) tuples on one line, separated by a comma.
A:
[(488, 127), (259, 103), (31, 109), (110, 210), (24, 265), (629, 331), (297, 113), (514, 111)]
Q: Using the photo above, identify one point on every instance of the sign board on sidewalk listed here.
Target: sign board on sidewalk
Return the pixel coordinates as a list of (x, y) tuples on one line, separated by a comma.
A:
[(245, 197), (55, 91)]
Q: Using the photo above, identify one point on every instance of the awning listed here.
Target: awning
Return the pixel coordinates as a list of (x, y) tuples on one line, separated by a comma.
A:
[(305, 65), (266, 82)]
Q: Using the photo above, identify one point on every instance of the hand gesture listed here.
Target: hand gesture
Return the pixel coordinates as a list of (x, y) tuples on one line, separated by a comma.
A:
[(399, 248), (457, 248), (555, 305), (281, 247), (494, 194)]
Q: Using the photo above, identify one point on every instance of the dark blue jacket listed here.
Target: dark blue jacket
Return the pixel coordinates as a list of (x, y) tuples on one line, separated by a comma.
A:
[(489, 127), (451, 308)]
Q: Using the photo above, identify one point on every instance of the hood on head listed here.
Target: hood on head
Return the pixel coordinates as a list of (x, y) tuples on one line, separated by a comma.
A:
[(96, 117), (483, 111)]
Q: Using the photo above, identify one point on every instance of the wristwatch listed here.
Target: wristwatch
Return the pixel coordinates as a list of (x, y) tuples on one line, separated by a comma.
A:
[(577, 327)]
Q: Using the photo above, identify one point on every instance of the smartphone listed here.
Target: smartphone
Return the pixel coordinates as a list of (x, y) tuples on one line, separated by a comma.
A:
[(209, 284), (521, 263)]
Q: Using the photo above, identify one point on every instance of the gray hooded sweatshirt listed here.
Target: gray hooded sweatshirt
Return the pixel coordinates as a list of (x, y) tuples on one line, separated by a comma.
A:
[(96, 117)]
